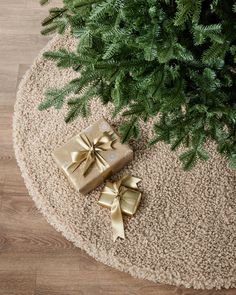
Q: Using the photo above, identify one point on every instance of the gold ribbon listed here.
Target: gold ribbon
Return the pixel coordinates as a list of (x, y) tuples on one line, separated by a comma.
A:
[(116, 191), (91, 152)]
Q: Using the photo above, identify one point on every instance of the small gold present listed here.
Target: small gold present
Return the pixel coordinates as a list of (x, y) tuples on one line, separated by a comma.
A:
[(121, 196), (92, 156)]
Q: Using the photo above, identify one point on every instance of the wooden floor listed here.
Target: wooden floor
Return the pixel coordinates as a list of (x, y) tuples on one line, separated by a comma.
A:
[(34, 258)]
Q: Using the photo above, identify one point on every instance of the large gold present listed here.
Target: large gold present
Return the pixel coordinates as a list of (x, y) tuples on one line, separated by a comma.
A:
[(92, 156)]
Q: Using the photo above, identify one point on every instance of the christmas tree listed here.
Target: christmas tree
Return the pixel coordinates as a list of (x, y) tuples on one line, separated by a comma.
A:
[(169, 59)]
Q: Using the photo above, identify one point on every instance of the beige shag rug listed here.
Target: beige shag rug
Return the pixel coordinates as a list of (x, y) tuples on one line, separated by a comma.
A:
[(184, 232)]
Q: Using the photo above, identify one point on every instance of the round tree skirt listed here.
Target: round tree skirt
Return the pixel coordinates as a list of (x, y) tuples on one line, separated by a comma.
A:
[(183, 233)]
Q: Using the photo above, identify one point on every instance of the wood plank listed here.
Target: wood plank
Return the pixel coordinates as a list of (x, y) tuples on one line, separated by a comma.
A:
[(21, 48), (34, 258), (7, 100), (8, 76), (20, 283)]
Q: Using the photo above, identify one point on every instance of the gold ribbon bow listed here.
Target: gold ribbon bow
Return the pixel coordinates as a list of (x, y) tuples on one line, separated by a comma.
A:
[(116, 191), (91, 152)]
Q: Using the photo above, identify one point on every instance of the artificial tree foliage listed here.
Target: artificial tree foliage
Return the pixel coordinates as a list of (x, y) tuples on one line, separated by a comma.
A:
[(171, 60)]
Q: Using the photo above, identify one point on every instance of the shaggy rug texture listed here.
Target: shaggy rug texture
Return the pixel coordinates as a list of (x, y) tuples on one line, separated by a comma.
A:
[(184, 232)]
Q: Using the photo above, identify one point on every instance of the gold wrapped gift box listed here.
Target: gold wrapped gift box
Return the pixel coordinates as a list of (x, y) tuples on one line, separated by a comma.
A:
[(129, 202), (121, 196), (92, 156)]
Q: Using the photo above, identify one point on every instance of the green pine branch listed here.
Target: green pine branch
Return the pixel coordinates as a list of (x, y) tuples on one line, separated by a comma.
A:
[(44, 2), (81, 3), (129, 130), (171, 60), (63, 58)]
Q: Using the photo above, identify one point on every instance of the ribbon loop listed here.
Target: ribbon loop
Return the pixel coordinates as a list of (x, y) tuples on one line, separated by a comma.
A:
[(91, 152)]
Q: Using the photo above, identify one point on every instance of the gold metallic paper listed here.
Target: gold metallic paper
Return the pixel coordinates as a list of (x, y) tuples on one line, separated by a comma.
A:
[(121, 196), (91, 156)]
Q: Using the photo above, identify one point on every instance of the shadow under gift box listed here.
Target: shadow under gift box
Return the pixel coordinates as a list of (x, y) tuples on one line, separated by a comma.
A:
[(116, 158)]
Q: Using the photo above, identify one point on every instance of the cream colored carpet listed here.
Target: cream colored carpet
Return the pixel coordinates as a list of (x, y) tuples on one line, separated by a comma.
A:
[(184, 231)]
